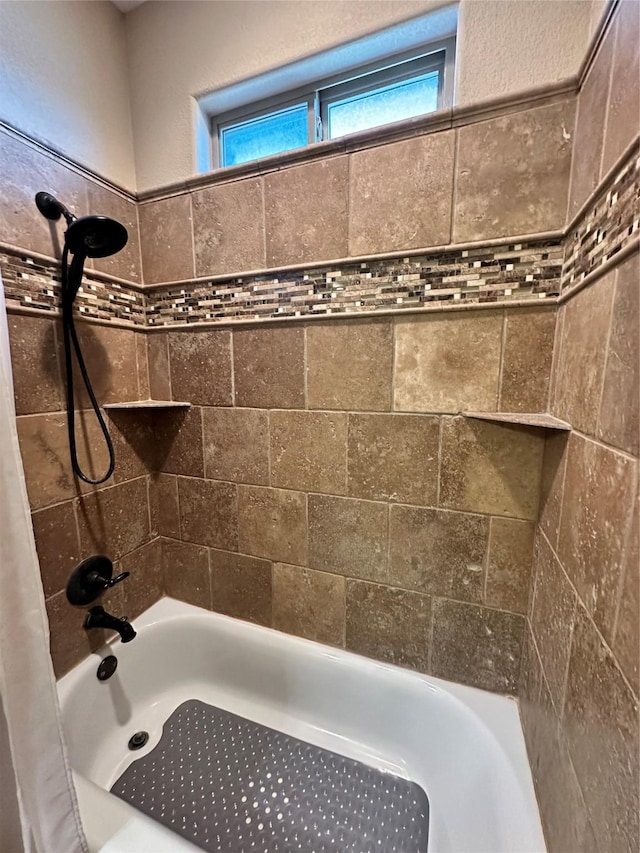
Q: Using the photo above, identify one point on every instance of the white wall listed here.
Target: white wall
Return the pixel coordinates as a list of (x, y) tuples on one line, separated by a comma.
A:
[(64, 80)]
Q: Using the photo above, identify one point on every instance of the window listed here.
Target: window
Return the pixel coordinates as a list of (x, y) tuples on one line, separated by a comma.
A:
[(401, 87)]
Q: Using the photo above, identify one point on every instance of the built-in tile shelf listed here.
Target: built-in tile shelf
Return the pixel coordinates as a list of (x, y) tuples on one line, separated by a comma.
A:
[(149, 404), (536, 419)]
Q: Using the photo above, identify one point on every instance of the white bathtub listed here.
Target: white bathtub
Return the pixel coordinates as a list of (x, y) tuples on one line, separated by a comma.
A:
[(463, 746)]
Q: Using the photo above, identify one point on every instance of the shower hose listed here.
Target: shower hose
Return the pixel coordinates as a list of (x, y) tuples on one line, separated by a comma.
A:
[(71, 281)]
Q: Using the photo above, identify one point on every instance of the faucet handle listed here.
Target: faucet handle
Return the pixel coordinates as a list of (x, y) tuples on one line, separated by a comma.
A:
[(96, 578), (90, 579)]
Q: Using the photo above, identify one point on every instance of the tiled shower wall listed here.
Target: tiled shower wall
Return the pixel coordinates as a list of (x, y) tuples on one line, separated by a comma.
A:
[(580, 680)]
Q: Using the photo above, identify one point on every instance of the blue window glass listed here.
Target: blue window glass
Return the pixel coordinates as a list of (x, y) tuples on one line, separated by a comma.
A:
[(394, 102), (268, 134)]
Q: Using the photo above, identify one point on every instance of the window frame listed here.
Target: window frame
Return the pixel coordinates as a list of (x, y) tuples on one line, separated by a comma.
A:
[(319, 94)]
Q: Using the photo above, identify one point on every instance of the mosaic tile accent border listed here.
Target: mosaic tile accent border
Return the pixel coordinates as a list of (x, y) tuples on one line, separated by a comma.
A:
[(498, 274), (606, 227), (36, 284)]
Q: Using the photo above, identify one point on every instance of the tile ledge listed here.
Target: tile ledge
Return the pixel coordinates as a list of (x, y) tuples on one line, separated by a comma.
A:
[(535, 419), (148, 404)]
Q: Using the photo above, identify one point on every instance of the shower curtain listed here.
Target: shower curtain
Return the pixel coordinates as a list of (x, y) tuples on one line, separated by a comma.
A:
[(38, 807)]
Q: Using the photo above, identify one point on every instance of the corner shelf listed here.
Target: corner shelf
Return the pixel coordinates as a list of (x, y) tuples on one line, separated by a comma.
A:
[(535, 419), (148, 404)]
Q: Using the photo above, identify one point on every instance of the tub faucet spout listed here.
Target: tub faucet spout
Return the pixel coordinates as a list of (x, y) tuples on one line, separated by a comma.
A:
[(98, 617)]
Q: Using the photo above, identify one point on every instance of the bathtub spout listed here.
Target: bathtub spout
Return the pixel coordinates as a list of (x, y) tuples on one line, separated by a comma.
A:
[(98, 617)]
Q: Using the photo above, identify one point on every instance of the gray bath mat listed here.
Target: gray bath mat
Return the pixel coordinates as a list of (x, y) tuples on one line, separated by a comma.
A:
[(233, 786)]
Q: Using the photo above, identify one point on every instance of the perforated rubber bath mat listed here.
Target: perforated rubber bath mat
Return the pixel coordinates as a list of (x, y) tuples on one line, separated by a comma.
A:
[(232, 786)]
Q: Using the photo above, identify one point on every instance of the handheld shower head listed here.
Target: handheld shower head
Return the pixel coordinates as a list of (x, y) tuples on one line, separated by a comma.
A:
[(96, 236)]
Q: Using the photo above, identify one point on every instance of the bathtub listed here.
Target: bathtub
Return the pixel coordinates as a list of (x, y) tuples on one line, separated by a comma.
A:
[(463, 746)]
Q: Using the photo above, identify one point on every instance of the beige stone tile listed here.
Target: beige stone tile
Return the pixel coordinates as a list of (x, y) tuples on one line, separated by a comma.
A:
[(166, 240), (388, 624), (512, 173), (394, 458), (590, 123), (145, 585), (228, 228), (26, 171), (163, 505), (133, 445), (110, 357), (442, 553), (159, 373), (551, 484), (269, 368), (509, 566), (186, 572), (306, 212), (623, 111), (208, 513), (552, 617), (56, 534), (37, 384), (143, 366), (601, 724), (309, 604), (619, 422), (400, 195), (125, 263), (491, 468), (627, 636), (448, 363), (236, 445), (598, 494), (273, 524), (241, 586), (348, 537), (309, 451), (526, 360), (201, 367), (477, 646), (115, 520), (350, 365)]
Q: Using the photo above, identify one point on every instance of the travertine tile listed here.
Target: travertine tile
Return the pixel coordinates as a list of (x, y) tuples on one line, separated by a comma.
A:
[(601, 724), (306, 212), (159, 373), (165, 239), (499, 164), (110, 357), (627, 636), (56, 534), (163, 505), (208, 513), (598, 493), (125, 263), (273, 524), (509, 568), (477, 646), (132, 436), (186, 572), (145, 585), (448, 363), (442, 553), (201, 367), (581, 358), (388, 624), (491, 468), (590, 124), (552, 618), (619, 422), (552, 482), (268, 368), (236, 445), (37, 383), (241, 586), (115, 520), (394, 458), (348, 537), (228, 228), (623, 111), (142, 357), (309, 451), (26, 171), (349, 365), (309, 604), (526, 360), (400, 195)]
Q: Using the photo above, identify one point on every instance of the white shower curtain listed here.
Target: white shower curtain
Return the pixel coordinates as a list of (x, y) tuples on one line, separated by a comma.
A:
[(38, 807)]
